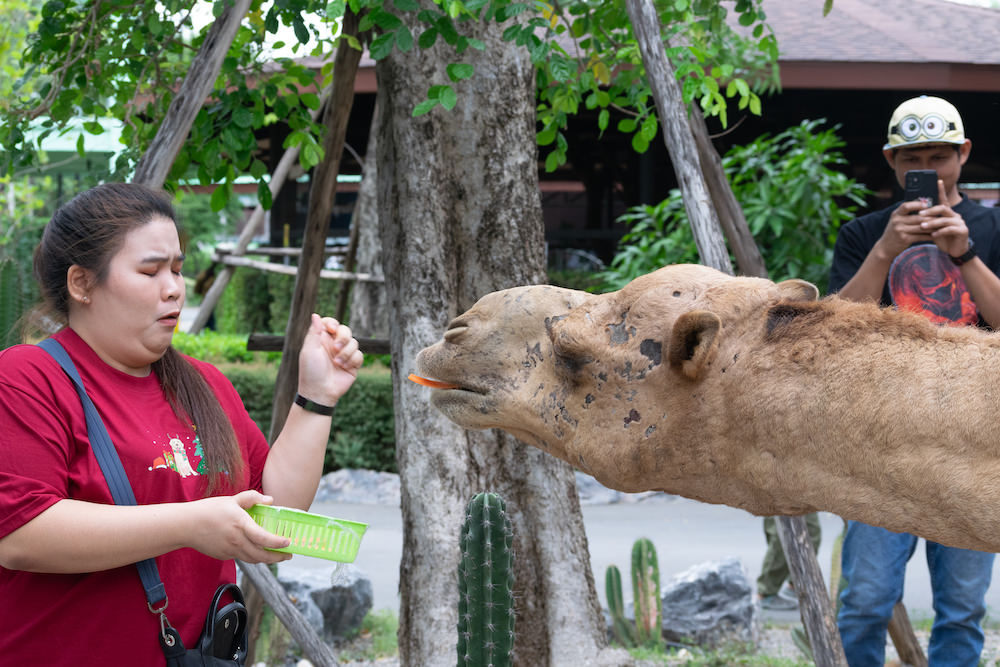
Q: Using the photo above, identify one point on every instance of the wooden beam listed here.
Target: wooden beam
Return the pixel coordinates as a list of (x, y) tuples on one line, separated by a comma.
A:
[(238, 260)]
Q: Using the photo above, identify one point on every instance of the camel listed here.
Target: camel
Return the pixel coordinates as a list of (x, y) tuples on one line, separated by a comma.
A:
[(741, 391)]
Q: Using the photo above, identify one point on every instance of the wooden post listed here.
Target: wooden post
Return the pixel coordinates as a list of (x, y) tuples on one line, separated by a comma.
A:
[(904, 639), (322, 189), (814, 603), (678, 136), (320, 654), (156, 162)]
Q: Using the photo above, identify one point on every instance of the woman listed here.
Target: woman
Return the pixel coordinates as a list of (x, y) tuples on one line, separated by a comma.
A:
[(109, 266)]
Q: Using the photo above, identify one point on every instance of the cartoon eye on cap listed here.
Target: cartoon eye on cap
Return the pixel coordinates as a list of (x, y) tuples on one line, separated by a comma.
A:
[(908, 128), (934, 126)]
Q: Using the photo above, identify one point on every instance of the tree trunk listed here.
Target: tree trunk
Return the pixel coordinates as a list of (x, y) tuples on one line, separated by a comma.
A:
[(734, 223), (323, 187), (369, 307), (155, 164), (460, 216), (678, 136)]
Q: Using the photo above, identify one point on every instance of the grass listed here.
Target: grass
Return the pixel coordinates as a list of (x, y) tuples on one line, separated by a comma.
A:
[(737, 654), (375, 639)]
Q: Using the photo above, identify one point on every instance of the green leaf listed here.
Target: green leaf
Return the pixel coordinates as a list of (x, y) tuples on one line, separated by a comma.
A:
[(459, 71), (448, 97), (404, 39), (258, 169), (639, 142), (264, 195), (385, 20), (311, 100), (602, 119), (627, 125), (301, 31), (551, 161), (427, 38), (382, 45), (406, 5), (447, 29), (219, 197), (546, 136), (424, 107), (243, 117)]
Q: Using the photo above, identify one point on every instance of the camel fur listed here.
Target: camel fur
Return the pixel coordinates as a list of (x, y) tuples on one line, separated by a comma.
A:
[(743, 392)]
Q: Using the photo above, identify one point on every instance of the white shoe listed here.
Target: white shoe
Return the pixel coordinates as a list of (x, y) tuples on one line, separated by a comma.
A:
[(788, 592)]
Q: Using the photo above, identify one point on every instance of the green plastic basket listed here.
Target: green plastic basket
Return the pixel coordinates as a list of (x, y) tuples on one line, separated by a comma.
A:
[(311, 534)]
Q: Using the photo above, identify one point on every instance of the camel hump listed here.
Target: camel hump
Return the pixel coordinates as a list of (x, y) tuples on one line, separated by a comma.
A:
[(798, 290)]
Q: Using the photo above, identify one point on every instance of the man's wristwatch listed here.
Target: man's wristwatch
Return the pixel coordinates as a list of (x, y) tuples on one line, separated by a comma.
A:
[(965, 256)]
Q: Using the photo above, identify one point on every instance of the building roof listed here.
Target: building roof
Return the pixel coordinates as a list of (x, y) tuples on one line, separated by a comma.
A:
[(888, 44)]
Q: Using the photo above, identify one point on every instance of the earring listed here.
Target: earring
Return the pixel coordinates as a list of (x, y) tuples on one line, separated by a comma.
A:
[(86, 299)]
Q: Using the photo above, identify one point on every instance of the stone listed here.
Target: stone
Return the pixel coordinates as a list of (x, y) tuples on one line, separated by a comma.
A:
[(711, 604), (334, 609)]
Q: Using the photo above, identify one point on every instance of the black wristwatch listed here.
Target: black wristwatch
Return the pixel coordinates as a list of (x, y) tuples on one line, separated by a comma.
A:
[(965, 256)]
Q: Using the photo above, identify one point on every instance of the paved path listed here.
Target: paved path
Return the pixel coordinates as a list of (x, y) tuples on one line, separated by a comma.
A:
[(685, 532)]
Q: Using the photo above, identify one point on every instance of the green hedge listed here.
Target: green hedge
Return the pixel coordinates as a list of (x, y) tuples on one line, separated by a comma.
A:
[(363, 431), (258, 302)]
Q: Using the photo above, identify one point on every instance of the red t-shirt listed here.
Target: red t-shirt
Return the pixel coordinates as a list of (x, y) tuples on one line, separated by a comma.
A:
[(101, 618)]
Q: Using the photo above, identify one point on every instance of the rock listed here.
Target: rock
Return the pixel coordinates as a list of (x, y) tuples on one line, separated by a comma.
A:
[(359, 486), (334, 610), (711, 604)]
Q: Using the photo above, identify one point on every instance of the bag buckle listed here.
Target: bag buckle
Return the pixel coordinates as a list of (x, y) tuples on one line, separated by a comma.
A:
[(168, 638)]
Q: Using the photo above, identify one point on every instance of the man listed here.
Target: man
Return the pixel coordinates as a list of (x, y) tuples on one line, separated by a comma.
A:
[(941, 259)]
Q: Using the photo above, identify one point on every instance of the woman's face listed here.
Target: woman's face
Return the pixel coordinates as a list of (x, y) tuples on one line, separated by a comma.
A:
[(131, 316)]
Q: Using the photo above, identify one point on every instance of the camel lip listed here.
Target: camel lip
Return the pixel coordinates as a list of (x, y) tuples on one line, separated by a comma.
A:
[(460, 389), (436, 384)]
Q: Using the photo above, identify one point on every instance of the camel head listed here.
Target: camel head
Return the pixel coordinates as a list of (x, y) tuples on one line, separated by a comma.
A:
[(596, 380)]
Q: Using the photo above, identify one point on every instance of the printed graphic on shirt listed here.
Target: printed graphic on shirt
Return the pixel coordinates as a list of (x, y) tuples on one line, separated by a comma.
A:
[(174, 456), (923, 280)]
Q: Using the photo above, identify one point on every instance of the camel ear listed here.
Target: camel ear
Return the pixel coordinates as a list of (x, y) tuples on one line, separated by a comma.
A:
[(693, 341), (798, 290)]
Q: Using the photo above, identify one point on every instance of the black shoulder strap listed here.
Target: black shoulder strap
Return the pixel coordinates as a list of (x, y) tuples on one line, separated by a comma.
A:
[(111, 465)]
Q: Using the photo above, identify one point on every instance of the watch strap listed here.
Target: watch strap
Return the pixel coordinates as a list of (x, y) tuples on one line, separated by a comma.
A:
[(965, 256), (313, 406)]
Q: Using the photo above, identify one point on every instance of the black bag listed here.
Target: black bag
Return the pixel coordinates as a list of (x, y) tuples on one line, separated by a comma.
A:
[(223, 641)]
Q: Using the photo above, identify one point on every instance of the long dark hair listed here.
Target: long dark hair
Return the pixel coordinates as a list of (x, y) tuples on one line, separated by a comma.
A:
[(88, 231)]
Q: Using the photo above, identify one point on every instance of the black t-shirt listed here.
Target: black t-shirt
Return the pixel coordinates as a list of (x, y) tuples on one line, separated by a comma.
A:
[(922, 277)]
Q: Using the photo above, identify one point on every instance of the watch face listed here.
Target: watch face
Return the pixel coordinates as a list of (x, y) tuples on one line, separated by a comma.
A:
[(925, 280)]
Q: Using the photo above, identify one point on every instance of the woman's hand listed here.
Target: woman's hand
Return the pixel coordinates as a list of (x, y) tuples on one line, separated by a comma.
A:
[(329, 361), (221, 528)]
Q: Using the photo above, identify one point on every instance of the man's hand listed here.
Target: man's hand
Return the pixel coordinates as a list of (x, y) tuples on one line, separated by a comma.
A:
[(904, 229), (946, 228)]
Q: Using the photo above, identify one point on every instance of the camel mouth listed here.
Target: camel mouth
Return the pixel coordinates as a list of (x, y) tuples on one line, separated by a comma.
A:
[(442, 385)]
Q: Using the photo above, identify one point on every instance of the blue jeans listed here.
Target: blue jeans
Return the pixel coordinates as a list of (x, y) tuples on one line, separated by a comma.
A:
[(874, 564)]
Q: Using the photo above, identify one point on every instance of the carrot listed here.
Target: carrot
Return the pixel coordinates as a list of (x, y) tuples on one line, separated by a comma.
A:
[(431, 383)]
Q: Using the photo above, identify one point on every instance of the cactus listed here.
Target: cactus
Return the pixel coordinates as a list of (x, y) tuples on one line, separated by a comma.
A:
[(646, 593), (485, 585), (624, 633)]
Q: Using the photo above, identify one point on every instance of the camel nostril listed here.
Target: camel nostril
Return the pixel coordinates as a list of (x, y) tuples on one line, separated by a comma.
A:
[(451, 334)]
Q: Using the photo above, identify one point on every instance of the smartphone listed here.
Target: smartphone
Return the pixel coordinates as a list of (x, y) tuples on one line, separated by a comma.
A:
[(921, 184)]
